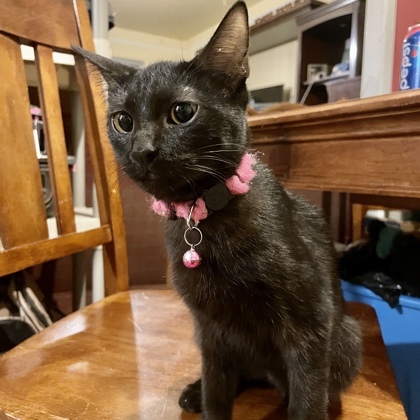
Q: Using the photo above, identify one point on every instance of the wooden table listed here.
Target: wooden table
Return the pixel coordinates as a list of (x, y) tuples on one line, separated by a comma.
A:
[(366, 146), (129, 356), (369, 147)]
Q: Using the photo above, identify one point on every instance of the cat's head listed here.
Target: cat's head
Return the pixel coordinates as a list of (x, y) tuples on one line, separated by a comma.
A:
[(179, 128)]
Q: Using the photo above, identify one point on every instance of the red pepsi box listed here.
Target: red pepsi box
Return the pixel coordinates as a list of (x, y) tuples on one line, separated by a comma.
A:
[(410, 63)]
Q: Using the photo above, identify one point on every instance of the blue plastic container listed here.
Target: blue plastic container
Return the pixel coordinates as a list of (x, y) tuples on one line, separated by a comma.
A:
[(400, 329)]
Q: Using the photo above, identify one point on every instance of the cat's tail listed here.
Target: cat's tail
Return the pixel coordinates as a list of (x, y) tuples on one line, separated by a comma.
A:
[(346, 352)]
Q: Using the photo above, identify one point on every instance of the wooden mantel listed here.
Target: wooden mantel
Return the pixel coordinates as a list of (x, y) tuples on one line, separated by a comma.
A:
[(365, 146)]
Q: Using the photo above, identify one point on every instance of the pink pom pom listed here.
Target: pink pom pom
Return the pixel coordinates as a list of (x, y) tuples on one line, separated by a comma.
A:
[(183, 209), (200, 211), (236, 186), (161, 208), (245, 171)]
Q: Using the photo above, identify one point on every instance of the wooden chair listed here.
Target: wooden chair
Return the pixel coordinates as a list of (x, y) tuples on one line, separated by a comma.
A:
[(51, 26), (130, 355)]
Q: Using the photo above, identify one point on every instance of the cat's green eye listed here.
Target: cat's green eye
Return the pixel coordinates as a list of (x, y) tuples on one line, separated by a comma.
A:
[(122, 122), (182, 112)]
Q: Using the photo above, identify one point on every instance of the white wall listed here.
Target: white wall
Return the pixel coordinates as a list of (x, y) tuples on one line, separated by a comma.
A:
[(135, 45), (276, 66), (378, 48), (269, 68), (147, 48), (198, 41)]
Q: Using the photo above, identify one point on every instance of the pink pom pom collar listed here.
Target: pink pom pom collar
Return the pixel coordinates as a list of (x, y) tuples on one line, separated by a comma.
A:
[(237, 184)]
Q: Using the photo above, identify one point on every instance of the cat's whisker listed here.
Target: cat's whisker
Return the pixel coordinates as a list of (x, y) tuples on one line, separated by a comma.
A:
[(117, 181), (115, 167), (205, 169), (129, 185), (210, 170), (190, 183), (220, 151), (233, 145), (201, 152), (111, 174), (111, 163), (217, 159)]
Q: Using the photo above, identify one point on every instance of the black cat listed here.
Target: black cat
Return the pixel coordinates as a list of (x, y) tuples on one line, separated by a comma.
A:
[(264, 293)]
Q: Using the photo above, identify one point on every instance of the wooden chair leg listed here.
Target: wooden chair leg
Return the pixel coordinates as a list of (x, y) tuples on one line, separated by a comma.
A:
[(358, 212), (326, 205), (79, 281)]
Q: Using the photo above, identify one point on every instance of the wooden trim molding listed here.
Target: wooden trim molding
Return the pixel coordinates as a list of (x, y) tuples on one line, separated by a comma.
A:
[(288, 11), (365, 146)]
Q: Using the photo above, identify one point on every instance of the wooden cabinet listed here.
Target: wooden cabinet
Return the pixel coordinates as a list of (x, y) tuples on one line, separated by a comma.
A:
[(322, 37)]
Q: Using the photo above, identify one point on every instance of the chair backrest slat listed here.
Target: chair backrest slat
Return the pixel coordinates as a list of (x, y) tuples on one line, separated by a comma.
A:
[(106, 175), (106, 178), (47, 26), (55, 139), (83, 25), (19, 190), (55, 26), (92, 100)]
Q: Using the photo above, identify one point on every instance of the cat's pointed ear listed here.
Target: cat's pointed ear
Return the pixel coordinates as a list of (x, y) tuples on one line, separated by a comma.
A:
[(112, 71), (227, 50)]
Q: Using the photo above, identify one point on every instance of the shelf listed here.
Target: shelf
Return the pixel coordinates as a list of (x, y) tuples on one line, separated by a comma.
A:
[(278, 26), (330, 34), (333, 10), (328, 79), (273, 37)]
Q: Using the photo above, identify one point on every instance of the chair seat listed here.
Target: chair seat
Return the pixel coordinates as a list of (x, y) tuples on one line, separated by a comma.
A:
[(130, 355)]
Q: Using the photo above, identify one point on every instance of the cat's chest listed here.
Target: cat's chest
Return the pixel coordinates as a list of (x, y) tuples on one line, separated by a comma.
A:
[(220, 286), (207, 239), (221, 250), (230, 285)]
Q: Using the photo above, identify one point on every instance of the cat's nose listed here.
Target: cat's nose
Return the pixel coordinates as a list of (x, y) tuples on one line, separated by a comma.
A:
[(144, 156)]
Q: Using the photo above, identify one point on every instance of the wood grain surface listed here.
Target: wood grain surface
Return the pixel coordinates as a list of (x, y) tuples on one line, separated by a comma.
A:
[(129, 356), (55, 139), (52, 25), (103, 162), (45, 22), (365, 146), (20, 181)]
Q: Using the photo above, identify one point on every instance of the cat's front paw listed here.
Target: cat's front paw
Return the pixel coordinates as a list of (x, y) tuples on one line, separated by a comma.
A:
[(190, 399)]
